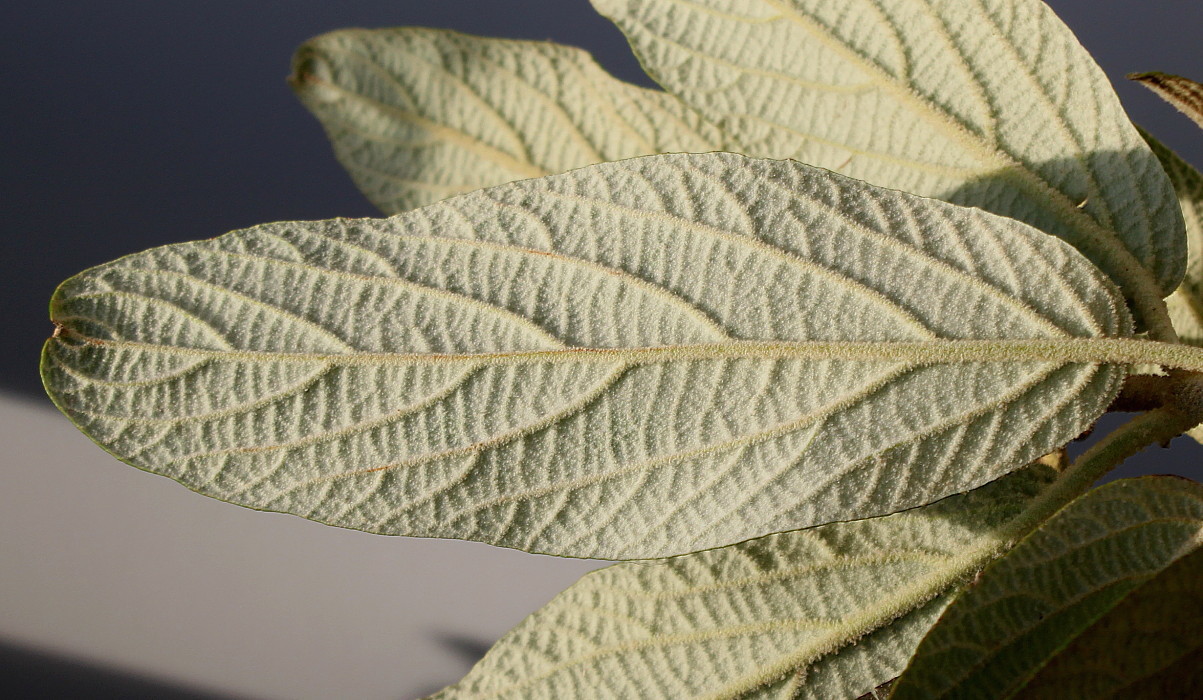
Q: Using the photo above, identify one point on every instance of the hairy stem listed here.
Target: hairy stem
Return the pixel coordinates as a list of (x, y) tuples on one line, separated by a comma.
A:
[(1152, 309), (1155, 427)]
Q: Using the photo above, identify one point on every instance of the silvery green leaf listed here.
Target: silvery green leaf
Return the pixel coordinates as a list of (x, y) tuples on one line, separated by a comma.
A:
[(417, 115), (987, 103), (830, 612), (631, 360), (1067, 588)]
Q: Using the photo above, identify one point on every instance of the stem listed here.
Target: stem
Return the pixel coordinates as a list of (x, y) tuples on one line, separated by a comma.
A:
[(1143, 392), (1155, 427), (1152, 310)]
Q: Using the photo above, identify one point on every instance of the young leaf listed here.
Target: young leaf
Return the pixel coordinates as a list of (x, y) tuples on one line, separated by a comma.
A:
[(831, 612), (1028, 609), (990, 103), (1185, 94), (631, 360), (418, 115)]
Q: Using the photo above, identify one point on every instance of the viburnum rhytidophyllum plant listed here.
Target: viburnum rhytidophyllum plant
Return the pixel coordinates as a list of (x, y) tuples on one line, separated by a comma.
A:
[(828, 393)]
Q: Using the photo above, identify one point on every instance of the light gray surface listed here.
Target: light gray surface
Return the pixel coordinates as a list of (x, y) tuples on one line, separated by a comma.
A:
[(112, 565)]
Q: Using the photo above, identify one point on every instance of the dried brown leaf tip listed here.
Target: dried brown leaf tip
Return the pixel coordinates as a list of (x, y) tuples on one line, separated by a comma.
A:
[(1185, 94)]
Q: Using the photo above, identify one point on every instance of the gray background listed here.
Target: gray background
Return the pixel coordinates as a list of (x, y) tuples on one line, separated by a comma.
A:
[(127, 124)]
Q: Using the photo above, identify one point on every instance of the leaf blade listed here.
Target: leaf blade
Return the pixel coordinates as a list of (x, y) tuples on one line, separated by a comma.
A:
[(1185, 305), (1054, 586), (417, 115), (936, 98), (1147, 646), (1184, 94), (723, 623), (488, 368)]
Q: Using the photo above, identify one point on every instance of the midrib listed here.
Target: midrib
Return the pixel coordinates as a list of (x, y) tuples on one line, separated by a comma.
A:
[(1061, 350)]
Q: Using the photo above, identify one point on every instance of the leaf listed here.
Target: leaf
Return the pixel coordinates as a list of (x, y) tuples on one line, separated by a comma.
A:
[(1148, 646), (418, 115), (1184, 94), (881, 692), (632, 360), (727, 623), (986, 103), (1186, 303), (1029, 616)]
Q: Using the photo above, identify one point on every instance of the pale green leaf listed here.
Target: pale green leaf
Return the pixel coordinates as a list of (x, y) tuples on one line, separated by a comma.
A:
[(1185, 94), (1186, 303), (729, 622), (988, 103), (1054, 588), (635, 359), (418, 115), (846, 672)]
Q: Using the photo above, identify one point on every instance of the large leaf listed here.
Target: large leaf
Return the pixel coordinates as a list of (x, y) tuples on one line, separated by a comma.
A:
[(833, 612), (635, 359), (1185, 94), (1150, 645), (1186, 303), (1075, 578), (417, 115), (989, 103)]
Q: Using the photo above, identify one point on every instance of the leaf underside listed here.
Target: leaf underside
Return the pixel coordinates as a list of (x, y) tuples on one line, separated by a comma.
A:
[(632, 360), (989, 104), (417, 115), (833, 612), (1079, 591), (1185, 305), (1149, 645), (651, 358)]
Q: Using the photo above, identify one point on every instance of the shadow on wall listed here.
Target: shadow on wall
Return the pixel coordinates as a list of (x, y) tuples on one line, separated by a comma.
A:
[(30, 674), (465, 650)]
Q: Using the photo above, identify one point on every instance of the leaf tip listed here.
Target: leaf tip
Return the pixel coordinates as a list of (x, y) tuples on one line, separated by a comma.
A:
[(1152, 79), (312, 75)]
